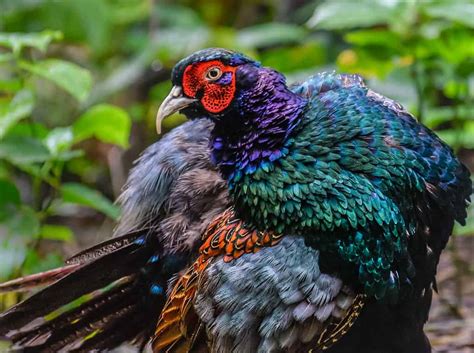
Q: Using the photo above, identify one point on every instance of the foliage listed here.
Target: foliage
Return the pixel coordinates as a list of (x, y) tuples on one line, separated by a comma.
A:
[(34, 155), (63, 66)]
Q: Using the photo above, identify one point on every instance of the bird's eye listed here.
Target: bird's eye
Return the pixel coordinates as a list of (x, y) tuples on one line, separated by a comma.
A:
[(213, 74)]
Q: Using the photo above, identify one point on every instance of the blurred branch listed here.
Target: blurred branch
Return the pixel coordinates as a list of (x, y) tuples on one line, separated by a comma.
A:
[(449, 325), (416, 75), (154, 21), (117, 170)]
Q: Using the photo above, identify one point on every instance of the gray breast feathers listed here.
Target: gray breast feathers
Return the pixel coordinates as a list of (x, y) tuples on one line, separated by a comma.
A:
[(272, 301)]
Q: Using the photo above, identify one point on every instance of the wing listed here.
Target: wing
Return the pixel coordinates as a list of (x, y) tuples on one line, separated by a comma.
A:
[(162, 169), (374, 138), (179, 325)]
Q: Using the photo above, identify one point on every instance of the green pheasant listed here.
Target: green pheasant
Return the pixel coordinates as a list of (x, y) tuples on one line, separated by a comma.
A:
[(300, 218)]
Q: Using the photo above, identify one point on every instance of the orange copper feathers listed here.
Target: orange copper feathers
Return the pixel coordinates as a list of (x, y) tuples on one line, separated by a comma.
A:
[(229, 236), (178, 324), (226, 235)]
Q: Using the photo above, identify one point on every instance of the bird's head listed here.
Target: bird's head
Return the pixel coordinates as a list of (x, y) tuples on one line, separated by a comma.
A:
[(207, 84)]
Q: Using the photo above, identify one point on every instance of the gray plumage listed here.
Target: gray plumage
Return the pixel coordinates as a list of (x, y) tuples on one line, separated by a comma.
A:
[(272, 301), (173, 188)]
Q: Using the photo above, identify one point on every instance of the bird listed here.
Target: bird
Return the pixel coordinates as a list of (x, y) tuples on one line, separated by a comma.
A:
[(281, 218)]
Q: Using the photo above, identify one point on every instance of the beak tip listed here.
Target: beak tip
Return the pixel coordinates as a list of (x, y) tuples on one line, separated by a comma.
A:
[(173, 103), (159, 120)]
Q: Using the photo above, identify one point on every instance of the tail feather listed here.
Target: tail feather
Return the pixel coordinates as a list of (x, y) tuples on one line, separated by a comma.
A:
[(26, 283), (85, 279), (104, 248), (74, 340), (89, 329), (75, 323), (117, 332)]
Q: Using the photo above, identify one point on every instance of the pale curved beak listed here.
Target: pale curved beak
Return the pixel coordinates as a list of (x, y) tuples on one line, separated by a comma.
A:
[(174, 102)]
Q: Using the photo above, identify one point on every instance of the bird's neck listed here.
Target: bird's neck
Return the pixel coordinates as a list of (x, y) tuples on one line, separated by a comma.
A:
[(255, 133)]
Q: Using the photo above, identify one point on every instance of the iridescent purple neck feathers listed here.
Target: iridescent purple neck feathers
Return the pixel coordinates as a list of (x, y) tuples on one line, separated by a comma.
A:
[(255, 130)]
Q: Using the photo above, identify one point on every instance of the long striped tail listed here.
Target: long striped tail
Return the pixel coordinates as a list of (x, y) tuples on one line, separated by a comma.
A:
[(104, 296)]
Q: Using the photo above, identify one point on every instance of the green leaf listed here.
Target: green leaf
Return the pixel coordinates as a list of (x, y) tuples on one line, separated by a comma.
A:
[(11, 85), (26, 129), (295, 58), (176, 42), (59, 140), (17, 41), (12, 255), (105, 122), (364, 62), (9, 194), (270, 34), (36, 262), (74, 79), (457, 138), (68, 155), (20, 222), (92, 17), (374, 37), (36, 171), (23, 150), (19, 108), (87, 169), (6, 57), (4, 170), (456, 46), (85, 196), (343, 14), (175, 15), (56, 232), (460, 11)]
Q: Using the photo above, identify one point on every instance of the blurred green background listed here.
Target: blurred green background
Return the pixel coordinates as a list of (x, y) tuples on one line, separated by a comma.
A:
[(80, 83)]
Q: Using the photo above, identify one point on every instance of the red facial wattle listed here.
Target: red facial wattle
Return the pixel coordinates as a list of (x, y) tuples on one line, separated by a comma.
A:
[(217, 96)]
